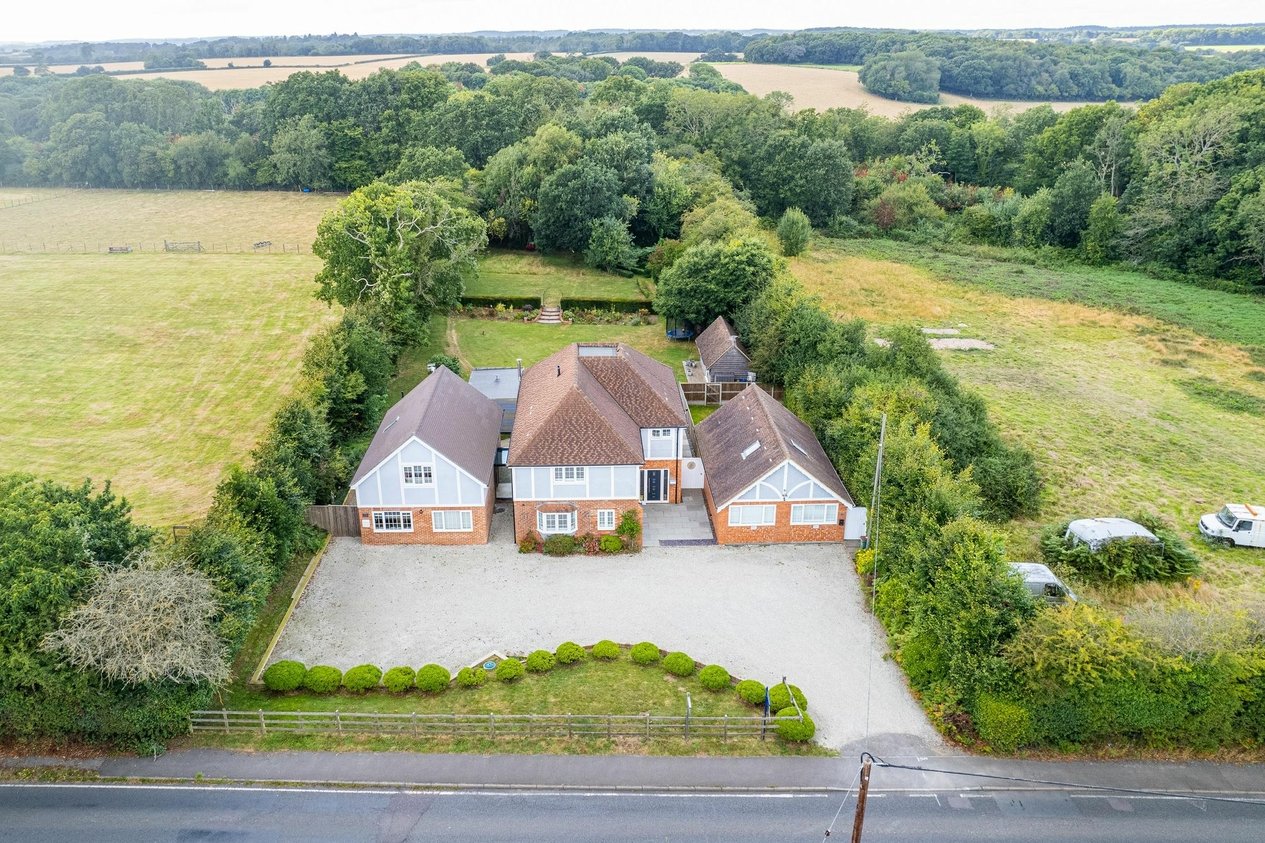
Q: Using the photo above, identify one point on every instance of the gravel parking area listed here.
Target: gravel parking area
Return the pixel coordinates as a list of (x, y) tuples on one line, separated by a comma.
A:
[(762, 612)]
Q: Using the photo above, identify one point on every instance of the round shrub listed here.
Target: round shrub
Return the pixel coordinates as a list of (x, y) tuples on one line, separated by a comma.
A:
[(322, 679), (611, 544), (679, 664), (528, 545), (510, 670), (398, 679), (471, 677), (540, 661), (645, 653), (780, 698), (790, 728), (569, 652), (751, 691), (606, 650), (559, 545), (361, 678), (284, 675), (714, 677), (433, 678)]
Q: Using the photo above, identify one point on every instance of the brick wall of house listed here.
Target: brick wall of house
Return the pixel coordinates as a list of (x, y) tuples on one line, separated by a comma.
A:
[(674, 476), (586, 515), (780, 533), (423, 533)]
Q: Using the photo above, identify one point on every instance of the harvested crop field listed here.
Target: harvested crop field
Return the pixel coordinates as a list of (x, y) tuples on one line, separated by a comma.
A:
[(353, 67), (60, 220), (821, 88)]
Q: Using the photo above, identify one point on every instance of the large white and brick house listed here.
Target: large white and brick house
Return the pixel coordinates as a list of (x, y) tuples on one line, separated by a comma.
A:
[(601, 430), (427, 477)]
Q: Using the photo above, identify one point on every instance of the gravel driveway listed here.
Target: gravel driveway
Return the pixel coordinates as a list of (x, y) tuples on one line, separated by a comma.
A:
[(762, 612)]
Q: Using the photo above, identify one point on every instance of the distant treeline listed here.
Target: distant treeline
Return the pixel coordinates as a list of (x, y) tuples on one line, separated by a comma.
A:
[(899, 68), (338, 45)]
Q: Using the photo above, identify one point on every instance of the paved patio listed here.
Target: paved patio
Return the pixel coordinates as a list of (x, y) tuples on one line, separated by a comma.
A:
[(677, 524)]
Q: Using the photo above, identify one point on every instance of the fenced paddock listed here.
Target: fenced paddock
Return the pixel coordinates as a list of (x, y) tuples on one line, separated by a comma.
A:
[(414, 725)]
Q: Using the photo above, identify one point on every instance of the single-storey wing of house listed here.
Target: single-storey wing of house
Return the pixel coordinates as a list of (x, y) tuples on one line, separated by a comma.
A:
[(428, 475), (768, 478), (600, 431), (723, 357)]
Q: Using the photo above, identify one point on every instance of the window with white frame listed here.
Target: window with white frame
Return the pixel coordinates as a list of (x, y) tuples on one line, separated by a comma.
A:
[(763, 515), (814, 513), (568, 474), (393, 522), (452, 521), (549, 523), (660, 433), (419, 475), (606, 519)]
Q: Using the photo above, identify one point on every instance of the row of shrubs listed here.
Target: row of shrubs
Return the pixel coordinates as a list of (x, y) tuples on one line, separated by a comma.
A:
[(627, 536), (286, 676)]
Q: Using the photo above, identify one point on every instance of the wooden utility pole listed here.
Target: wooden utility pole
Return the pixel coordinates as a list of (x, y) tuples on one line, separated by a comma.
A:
[(858, 820)]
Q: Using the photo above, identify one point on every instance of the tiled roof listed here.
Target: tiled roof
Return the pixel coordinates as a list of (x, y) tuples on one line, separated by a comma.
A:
[(756, 417), (446, 413), (716, 340), (586, 405)]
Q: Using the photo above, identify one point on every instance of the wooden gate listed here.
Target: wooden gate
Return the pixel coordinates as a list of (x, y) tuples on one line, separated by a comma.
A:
[(335, 520)]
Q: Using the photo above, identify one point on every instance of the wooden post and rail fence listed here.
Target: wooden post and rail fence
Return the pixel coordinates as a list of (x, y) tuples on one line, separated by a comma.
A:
[(415, 725)]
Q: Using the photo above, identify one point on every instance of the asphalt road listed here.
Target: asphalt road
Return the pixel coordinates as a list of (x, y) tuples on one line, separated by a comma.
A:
[(133, 814)]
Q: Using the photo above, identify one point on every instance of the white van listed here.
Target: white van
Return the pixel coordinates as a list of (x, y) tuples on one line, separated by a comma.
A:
[(1236, 524)]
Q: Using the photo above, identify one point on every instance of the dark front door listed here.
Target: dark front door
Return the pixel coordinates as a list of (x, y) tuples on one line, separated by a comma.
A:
[(654, 485)]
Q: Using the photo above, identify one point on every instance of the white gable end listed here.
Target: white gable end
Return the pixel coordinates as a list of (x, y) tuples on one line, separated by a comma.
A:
[(448, 484)]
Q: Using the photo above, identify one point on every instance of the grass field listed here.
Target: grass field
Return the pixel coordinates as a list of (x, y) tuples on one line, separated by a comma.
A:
[(1124, 412), (506, 273), (821, 87), (483, 342), (94, 220), (150, 370)]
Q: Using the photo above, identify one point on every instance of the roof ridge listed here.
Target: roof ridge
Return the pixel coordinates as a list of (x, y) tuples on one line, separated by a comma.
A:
[(760, 398)]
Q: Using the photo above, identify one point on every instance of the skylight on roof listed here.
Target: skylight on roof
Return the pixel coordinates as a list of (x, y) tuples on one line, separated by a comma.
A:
[(799, 447), (751, 449)]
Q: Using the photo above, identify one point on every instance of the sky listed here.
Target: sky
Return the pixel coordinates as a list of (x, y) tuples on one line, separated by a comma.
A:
[(94, 20)]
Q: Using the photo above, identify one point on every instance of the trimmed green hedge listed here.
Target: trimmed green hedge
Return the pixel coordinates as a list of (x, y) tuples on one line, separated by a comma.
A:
[(284, 675), (322, 679), (679, 664), (361, 678), (780, 698), (791, 728), (645, 653), (714, 677), (518, 302), (569, 652), (471, 677), (541, 661), (1004, 724), (397, 680), (751, 691), (606, 650), (510, 670), (617, 305), (433, 678)]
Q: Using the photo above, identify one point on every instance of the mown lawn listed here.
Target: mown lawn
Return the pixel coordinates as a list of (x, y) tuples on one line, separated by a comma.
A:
[(484, 342), (152, 371), (589, 687), (1124, 412), (552, 277)]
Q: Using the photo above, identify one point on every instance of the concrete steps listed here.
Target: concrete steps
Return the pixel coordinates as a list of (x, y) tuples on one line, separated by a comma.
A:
[(550, 316)]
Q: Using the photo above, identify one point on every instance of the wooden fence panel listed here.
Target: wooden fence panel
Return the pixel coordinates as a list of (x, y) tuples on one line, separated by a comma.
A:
[(719, 393), (335, 520)]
